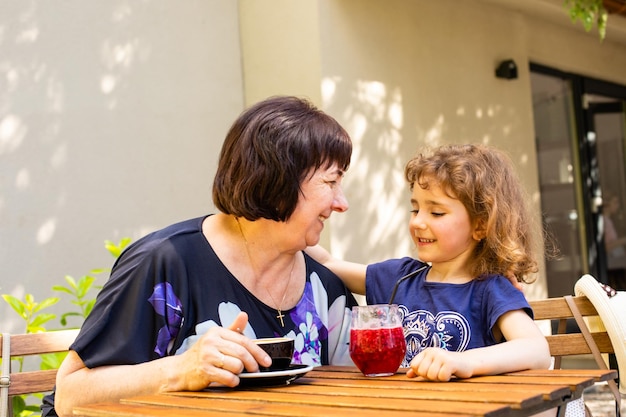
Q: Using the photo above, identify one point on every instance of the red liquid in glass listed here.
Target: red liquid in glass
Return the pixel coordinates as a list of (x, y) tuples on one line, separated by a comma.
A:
[(377, 352)]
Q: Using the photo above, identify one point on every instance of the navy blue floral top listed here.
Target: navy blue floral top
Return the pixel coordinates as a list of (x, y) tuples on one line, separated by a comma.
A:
[(170, 287)]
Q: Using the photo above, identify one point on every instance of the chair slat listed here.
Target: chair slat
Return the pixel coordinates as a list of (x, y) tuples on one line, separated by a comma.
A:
[(557, 308), (575, 344), (39, 343), (32, 381), (29, 344), (570, 343)]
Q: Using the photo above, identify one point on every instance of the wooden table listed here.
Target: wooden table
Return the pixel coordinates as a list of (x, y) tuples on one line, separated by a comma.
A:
[(344, 391)]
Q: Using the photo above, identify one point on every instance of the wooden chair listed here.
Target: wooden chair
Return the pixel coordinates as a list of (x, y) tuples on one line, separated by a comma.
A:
[(29, 382), (582, 342)]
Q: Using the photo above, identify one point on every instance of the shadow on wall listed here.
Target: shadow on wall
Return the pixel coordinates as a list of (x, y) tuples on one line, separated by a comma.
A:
[(108, 117), (376, 118), (59, 86)]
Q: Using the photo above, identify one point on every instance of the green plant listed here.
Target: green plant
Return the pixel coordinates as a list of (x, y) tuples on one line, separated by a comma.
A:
[(589, 12), (31, 312)]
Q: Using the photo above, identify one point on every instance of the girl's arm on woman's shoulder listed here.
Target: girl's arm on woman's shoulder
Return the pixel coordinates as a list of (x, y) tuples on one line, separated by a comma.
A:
[(351, 273)]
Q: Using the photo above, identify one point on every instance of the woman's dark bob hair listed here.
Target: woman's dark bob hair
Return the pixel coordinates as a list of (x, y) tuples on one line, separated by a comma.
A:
[(269, 151)]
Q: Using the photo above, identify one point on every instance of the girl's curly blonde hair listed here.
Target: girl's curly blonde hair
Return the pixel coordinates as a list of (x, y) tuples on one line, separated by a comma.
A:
[(484, 180)]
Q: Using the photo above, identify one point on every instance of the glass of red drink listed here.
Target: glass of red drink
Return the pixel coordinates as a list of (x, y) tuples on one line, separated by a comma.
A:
[(377, 344)]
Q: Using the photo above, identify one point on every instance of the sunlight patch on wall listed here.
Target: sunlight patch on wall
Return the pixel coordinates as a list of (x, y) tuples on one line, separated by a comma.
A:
[(329, 89), (357, 127), (373, 94), (107, 83), (432, 137), (12, 78), (27, 36), (375, 186), (507, 130), (524, 159), (59, 156), (119, 55), (12, 133), (22, 179), (536, 197), (118, 58), (56, 95), (45, 233), (122, 12), (390, 196), (395, 112)]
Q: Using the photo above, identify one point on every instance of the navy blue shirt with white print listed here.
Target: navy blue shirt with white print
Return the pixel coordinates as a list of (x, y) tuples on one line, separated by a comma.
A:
[(168, 288), (455, 317)]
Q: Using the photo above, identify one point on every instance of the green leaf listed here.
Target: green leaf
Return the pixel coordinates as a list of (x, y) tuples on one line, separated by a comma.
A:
[(16, 304), (66, 315), (116, 250), (84, 285), (19, 404), (41, 319), (46, 303), (588, 12), (52, 360), (89, 307), (70, 280), (62, 289)]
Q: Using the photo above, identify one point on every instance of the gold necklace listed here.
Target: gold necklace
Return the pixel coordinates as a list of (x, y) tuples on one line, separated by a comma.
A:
[(279, 309)]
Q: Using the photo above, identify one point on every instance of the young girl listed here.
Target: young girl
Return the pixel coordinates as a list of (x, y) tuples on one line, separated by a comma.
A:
[(462, 315)]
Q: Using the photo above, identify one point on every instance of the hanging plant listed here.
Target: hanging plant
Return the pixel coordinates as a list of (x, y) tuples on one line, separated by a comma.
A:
[(589, 12)]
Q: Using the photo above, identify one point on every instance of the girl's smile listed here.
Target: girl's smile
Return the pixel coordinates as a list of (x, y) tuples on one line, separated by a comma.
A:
[(440, 226)]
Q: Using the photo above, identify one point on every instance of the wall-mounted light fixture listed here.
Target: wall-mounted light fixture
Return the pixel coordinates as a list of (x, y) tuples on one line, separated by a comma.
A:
[(507, 69)]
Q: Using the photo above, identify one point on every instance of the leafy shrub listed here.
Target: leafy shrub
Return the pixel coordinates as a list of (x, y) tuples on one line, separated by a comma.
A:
[(36, 319)]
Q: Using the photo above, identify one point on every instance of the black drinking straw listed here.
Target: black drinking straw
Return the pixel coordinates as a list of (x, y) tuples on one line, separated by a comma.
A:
[(407, 276)]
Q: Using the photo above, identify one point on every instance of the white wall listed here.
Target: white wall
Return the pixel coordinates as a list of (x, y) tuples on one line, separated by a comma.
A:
[(111, 118)]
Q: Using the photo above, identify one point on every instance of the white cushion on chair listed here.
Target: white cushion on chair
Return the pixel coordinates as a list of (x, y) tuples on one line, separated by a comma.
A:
[(612, 311)]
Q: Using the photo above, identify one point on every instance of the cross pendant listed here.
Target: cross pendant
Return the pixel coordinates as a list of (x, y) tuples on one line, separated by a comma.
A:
[(280, 317)]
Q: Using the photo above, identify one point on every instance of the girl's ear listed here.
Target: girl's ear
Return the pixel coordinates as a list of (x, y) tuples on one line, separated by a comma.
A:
[(480, 231)]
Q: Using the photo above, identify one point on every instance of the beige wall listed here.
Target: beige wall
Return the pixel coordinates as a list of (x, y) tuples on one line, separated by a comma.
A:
[(280, 51), (112, 114), (404, 74)]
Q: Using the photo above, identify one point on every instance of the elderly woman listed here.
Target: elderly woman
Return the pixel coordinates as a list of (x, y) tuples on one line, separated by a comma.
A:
[(183, 304)]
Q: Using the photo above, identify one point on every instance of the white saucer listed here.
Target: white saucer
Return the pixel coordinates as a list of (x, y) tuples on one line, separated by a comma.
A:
[(283, 377)]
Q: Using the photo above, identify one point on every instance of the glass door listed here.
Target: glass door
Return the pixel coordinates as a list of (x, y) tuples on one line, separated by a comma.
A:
[(606, 123), (555, 136), (580, 130)]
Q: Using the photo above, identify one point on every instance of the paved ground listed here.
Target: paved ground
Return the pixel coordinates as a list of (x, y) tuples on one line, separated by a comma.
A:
[(598, 398), (601, 402)]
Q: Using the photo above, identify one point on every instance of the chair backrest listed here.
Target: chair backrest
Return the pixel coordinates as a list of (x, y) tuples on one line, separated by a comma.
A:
[(567, 344), (30, 382), (584, 341)]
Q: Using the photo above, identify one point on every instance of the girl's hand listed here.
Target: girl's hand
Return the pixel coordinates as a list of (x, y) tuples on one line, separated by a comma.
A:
[(438, 364), (514, 281)]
